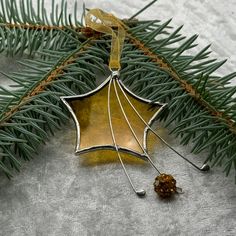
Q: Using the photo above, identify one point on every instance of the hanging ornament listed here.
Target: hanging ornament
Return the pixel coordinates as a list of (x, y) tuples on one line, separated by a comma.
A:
[(113, 119)]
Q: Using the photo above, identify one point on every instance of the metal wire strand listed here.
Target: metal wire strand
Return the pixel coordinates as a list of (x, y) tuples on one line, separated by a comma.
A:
[(132, 130), (139, 192), (204, 167)]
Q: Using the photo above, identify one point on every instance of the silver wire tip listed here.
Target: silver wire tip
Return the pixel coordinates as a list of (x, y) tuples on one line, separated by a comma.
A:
[(205, 167), (141, 193)]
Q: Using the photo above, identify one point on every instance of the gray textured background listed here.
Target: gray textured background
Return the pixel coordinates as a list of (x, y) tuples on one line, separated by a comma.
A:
[(56, 195)]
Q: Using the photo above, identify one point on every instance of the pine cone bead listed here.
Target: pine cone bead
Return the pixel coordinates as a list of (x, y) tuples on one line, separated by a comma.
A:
[(165, 185)]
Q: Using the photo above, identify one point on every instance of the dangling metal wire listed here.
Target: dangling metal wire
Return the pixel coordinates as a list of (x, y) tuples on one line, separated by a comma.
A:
[(113, 81), (204, 167), (132, 130), (139, 192)]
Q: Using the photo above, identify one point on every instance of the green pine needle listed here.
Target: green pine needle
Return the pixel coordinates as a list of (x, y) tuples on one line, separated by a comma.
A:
[(156, 64)]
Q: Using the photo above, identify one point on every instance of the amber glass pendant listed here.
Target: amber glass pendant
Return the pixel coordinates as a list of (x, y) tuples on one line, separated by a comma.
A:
[(111, 121), (109, 124), (91, 115), (114, 124)]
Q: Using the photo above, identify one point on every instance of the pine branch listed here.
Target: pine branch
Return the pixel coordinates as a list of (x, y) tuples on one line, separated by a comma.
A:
[(155, 64), (35, 107), (22, 29), (201, 105), (26, 30), (163, 64)]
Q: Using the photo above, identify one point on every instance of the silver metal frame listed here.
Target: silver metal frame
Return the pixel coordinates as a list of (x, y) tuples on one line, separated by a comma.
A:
[(204, 167), (113, 79), (110, 147)]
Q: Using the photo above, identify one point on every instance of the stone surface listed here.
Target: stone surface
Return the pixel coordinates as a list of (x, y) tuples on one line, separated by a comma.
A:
[(55, 194)]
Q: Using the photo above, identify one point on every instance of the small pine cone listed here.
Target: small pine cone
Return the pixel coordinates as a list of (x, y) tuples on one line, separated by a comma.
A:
[(165, 185)]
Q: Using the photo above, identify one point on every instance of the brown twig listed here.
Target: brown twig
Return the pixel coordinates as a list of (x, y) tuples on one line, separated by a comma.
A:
[(162, 63), (37, 27), (41, 86)]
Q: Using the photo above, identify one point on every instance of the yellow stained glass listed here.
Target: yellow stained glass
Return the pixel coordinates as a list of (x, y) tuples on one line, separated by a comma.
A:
[(91, 112)]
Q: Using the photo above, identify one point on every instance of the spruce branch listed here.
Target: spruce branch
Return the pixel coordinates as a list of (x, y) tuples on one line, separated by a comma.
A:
[(188, 87), (35, 107), (156, 64), (201, 104), (22, 29)]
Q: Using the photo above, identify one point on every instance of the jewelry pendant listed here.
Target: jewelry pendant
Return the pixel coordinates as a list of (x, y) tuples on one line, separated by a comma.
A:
[(111, 121)]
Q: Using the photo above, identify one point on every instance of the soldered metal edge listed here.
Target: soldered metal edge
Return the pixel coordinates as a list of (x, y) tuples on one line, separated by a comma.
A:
[(66, 99)]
